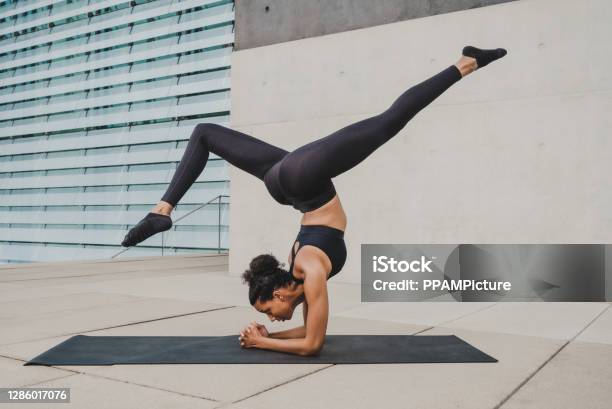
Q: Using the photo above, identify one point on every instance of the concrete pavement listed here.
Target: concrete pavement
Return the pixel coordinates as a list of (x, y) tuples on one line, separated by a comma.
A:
[(551, 355)]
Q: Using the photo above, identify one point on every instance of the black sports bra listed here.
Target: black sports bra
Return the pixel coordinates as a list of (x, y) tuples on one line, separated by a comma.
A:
[(329, 239)]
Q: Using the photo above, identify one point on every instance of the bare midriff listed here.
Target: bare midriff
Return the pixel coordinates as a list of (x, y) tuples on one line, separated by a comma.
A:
[(330, 214)]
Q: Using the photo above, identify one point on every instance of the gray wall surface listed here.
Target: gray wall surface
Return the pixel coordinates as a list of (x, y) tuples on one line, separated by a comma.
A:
[(264, 22), (517, 152)]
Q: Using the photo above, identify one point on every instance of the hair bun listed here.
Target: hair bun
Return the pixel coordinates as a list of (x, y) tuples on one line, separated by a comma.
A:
[(261, 268)]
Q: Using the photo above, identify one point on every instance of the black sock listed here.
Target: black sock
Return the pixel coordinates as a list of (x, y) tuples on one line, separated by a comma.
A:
[(483, 57), (151, 224)]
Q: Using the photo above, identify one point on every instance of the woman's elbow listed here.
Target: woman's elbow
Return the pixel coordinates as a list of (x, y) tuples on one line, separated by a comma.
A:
[(312, 349)]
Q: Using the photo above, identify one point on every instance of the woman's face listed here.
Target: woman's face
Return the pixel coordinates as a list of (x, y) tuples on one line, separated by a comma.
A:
[(279, 308)]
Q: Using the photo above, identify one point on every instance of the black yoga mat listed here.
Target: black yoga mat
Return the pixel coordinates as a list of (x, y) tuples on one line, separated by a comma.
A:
[(338, 349)]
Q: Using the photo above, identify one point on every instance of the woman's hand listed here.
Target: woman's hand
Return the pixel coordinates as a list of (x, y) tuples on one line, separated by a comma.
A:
[(262, 329), (251, 334)]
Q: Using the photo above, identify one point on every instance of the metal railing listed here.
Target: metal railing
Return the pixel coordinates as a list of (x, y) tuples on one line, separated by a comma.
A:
[(216, 200)]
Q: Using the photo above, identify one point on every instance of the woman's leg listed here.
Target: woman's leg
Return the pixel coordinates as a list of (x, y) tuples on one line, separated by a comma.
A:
[(241, 150), (325, 158), (310, 167)]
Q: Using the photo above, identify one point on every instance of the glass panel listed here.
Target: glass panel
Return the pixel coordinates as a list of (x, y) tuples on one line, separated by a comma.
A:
[(157, 63), (77, 22), (68, 79), (106, 151), (205, 34), (113, 33), (146, 105), (155, 44), (58, 99), (157, 83), (106, 169), (150, 5), (123, 10), (160, 22), (207, 76), (65, 154), (109, 71), (103, 189), (62, 172), (64, 6)]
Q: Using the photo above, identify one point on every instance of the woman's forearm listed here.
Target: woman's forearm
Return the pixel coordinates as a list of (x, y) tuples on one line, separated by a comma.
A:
[(297, 332), (298, 346)]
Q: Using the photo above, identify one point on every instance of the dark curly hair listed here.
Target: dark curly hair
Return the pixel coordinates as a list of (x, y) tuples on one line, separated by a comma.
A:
[(265, 275)]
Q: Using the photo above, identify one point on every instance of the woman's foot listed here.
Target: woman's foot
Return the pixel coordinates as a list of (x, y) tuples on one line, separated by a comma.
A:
[(483, 56), (474, 58), (156, 221)]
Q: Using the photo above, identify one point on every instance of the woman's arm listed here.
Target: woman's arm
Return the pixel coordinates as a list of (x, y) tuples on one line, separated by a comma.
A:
[(297, 332)]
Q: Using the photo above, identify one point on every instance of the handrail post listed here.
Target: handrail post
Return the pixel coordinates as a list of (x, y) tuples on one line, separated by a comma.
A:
[(219, 228)]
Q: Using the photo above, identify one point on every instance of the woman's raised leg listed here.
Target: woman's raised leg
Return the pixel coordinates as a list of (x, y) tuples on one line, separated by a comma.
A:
[(340, 151), (250, 154), (241, 150), (317, 162)]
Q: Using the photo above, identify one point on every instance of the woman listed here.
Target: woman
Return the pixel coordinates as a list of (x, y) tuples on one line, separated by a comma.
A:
[(302, 179)]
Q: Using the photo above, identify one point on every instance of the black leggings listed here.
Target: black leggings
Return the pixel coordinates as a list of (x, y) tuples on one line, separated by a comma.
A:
[(302, 178)]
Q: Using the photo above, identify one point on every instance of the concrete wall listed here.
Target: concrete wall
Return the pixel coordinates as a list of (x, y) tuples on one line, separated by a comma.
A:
[(518, 152), (265, 22)]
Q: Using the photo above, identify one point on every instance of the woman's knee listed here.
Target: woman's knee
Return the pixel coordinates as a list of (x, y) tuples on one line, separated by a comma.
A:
[(202, 132), (204, 128)]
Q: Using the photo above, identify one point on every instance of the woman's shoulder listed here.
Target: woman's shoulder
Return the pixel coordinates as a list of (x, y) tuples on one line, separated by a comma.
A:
[(311, 259)]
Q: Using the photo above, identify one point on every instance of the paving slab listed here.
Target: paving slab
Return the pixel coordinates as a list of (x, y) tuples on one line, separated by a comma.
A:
[(470, 385), (213, 288), (64, 269), (55, 304), (20, 329), (87, 391), (600, 330), (559, 320), (580, 376), (13, 375), (6, 288), (227, 382), (27, 292), (117, 275), (422, 313)]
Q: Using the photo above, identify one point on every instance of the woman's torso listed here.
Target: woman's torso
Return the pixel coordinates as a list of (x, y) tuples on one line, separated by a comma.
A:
[(330, 215), (329, 246), (322, 228)]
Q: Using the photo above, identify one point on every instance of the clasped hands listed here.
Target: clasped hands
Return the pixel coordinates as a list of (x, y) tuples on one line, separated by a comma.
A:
[(249, 336)]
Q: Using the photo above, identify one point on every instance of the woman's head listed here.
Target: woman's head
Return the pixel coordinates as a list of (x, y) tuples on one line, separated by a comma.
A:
[(272, 289)]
